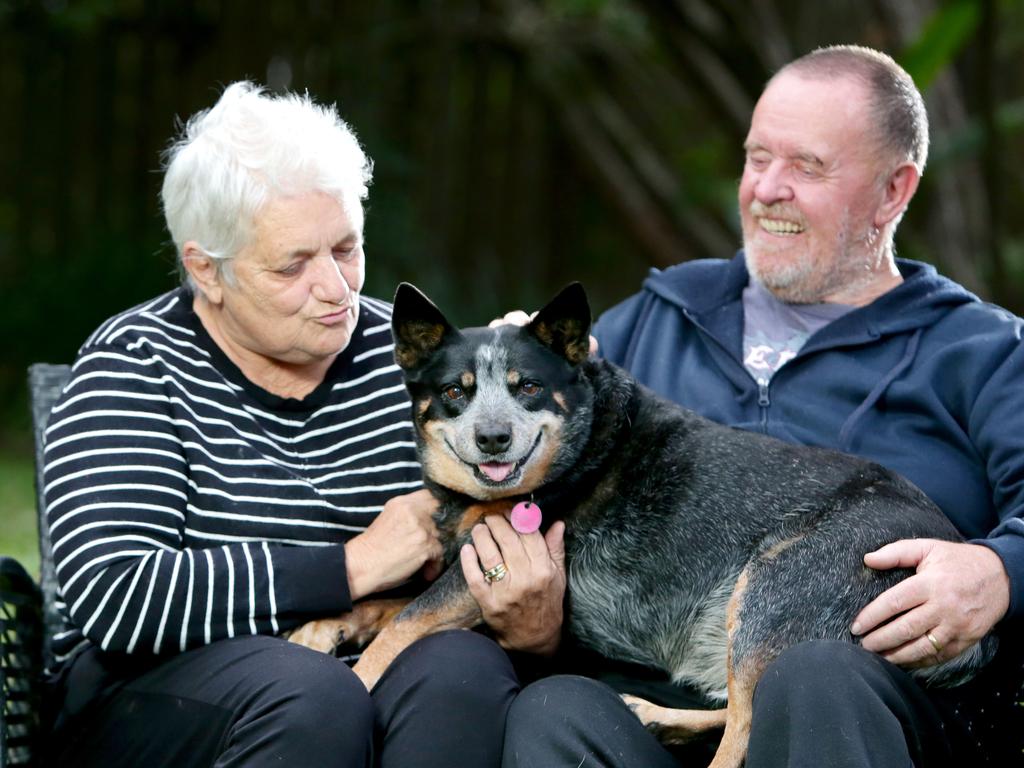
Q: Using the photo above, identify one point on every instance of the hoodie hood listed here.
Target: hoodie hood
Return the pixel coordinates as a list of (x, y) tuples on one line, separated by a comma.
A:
[(701, 289)]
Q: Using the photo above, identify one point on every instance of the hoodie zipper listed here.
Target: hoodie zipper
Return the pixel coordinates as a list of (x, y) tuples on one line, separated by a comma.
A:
[(763, 397), (763, 401)]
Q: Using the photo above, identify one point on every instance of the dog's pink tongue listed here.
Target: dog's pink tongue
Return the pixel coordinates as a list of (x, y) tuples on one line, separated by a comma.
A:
[(497, 472)]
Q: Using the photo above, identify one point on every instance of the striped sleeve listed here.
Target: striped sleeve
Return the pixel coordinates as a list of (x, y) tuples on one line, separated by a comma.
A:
[(118, 489)]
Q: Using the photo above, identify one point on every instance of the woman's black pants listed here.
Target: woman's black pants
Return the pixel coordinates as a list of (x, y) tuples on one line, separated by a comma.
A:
[(261, 701)]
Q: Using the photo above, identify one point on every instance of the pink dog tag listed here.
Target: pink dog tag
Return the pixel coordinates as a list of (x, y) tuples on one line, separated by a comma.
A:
[(526, 517)]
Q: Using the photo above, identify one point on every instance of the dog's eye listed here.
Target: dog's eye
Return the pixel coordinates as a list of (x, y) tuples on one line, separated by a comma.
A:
[(530, 388), (454, 392)]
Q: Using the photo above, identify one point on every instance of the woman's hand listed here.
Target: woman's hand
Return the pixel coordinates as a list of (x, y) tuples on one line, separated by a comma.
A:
[(524, 607), (397, 544)]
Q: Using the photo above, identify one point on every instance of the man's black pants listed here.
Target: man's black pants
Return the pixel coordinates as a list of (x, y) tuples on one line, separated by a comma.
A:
[(822, 703)]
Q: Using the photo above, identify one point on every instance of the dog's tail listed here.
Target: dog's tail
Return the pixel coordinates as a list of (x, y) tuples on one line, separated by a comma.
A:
[(962, 668)]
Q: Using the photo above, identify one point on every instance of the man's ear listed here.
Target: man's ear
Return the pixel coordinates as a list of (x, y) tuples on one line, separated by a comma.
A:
[(417, 326), (899, 188), (203, 270), (563, 325)]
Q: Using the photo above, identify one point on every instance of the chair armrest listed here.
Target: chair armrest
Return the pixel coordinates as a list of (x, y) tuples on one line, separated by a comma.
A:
[(21, 638)]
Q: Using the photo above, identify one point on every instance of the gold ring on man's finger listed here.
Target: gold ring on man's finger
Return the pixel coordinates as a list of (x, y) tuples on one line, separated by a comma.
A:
[(935, 643)]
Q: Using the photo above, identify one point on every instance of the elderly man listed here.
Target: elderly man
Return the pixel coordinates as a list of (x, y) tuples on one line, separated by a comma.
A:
[(815, 333)]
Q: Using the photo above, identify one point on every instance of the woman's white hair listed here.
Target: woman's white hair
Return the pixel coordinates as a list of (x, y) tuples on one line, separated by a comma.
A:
[(248, 149)]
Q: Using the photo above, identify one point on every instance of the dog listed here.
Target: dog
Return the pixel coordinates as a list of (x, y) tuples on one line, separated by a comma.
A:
[(738, 545)]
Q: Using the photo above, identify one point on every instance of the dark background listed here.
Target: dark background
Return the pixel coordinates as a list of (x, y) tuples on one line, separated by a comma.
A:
[(519, 144)]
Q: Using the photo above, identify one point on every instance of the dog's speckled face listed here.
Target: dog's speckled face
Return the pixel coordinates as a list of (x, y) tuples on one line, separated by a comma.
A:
[(497, 411)]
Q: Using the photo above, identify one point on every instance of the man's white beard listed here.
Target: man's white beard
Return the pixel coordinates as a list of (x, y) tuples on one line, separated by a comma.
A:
[(851, 265)]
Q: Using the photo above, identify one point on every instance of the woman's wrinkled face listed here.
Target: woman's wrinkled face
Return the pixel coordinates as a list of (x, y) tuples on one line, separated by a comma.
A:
[(295, 293)]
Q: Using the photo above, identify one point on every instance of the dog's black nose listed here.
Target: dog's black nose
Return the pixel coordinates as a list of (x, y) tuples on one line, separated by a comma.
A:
[(493, 438)]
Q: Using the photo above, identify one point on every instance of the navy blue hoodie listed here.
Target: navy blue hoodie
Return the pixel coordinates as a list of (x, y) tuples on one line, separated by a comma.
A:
[(927, 380)]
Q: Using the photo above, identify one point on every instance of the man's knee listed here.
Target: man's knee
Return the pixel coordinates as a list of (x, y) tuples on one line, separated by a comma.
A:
[(562, 699), (568, 720), (825, 665), (819, 688), (830, 682)]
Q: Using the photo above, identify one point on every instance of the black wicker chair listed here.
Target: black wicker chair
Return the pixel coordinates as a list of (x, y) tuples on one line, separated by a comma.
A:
[(28, 617), (21, 630)]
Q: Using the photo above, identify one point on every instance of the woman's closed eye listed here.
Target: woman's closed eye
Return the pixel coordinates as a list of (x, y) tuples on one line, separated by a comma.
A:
[(346, 253)]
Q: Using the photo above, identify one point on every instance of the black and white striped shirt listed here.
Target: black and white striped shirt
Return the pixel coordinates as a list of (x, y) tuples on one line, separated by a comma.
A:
[(187, 505)]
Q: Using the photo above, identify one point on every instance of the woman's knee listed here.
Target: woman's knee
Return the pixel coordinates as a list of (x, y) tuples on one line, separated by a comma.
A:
[(318, 685), (447, 696), (311, 704), (455, 660)]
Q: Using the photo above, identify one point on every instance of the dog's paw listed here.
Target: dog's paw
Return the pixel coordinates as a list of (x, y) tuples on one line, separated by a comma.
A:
[(366, 619), (354, 629), (646, 712), (674, 726), (323, 635)]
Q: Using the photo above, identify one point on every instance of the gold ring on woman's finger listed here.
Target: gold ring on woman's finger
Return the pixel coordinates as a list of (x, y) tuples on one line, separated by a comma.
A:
[(497, 573)]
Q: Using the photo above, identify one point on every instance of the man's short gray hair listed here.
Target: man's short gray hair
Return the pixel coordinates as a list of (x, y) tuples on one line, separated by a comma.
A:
[(248, 149), (897, 108)]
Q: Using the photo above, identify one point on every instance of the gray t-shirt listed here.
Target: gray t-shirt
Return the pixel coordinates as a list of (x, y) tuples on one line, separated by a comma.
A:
[(774, 332)]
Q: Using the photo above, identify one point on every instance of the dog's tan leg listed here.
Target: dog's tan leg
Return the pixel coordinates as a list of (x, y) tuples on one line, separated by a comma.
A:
[(743, 677), (460, 612), (675, 726), (446, 605), (359, 626), (733, 749)]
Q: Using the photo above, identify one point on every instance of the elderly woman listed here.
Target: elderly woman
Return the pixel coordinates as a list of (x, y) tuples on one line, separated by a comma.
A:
[(235, 458)]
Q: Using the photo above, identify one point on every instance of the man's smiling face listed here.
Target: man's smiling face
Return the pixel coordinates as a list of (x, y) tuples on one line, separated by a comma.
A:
[(811, 187)]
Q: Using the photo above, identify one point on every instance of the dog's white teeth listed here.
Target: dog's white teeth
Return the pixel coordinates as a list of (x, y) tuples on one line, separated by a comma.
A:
[(496, 471)]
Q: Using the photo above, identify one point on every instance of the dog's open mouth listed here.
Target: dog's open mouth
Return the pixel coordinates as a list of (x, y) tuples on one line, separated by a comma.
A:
[(495, 471), (503, 473)]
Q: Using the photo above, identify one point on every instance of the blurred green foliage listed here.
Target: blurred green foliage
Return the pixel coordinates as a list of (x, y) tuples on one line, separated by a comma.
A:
[(18, 532), (518, 144), (942, 38)]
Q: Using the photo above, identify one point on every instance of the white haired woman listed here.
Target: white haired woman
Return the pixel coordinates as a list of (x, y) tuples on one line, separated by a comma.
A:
[(235, 458)]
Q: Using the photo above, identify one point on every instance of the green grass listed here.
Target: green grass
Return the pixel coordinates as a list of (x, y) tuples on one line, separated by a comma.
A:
[(18, 532)]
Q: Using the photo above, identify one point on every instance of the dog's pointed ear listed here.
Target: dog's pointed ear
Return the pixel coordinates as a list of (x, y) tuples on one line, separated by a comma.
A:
[(563, 324), (417, 326)]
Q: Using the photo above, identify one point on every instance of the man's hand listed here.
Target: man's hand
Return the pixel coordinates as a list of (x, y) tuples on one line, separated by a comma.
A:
[(957, 595), (524, 608), (400, 541), (515, 317), (518, 317)]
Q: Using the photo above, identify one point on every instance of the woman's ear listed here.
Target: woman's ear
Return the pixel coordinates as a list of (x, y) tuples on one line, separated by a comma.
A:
[(203, 270)]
